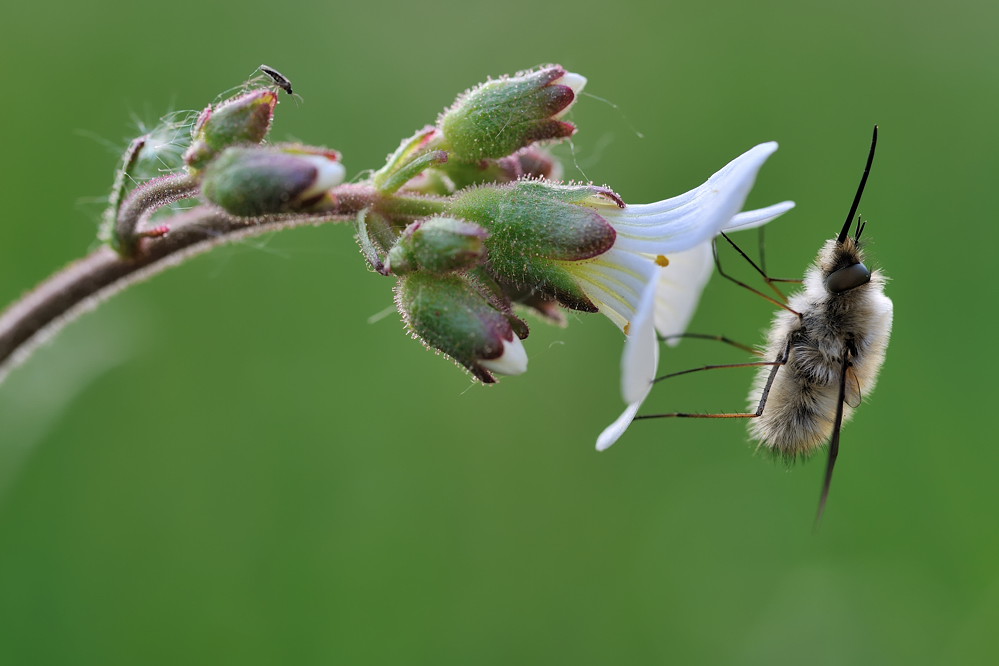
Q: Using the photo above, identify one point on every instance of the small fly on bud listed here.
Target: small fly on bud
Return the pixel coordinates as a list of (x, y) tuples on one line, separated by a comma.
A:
[(273, 77), (279, 79), (827, 345)]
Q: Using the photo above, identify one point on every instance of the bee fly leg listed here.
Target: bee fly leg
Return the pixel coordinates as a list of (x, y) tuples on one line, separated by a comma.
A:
[(719, 338), (763, 262), (834, 442), (782, 360), (780, 303)]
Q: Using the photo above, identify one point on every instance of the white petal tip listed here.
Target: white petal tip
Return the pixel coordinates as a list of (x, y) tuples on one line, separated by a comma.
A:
[(769, 147), (757, 218), (513, 360), (572, 80), (613, 432), (329, 173)]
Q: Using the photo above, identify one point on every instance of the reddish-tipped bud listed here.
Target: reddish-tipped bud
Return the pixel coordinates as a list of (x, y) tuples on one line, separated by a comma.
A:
[(535, 163), (261, 181), (451, 314), (535, 227), (244, 119), (497, 118), (437, 245)]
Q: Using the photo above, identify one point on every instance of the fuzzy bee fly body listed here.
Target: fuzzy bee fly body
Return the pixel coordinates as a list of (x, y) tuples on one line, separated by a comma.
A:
[(845, 318), (831, 343)]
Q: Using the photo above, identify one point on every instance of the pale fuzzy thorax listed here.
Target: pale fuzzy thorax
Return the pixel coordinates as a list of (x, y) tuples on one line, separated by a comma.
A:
[(801, 407)]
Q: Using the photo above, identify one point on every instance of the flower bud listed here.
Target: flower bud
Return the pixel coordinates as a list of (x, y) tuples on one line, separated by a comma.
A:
[(535, 227), (437, 245), (530, 162), (242, 119), (254, 181), (538, 163), (449, 313), (497, 118)]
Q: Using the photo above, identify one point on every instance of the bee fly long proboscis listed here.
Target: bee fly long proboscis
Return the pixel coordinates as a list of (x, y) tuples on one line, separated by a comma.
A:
[(827, 343)]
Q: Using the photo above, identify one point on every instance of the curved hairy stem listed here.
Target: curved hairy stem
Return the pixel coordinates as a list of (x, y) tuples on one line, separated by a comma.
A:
[(83, 284), (143, 202)]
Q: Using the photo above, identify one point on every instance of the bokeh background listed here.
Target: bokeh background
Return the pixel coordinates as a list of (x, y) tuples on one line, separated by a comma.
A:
[(230, 464)]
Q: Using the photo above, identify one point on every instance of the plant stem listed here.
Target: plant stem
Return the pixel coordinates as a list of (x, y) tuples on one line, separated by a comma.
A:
[(144, 201), (85, 283)]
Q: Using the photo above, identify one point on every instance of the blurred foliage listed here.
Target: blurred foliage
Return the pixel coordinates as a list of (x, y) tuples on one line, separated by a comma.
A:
[(228, 464)]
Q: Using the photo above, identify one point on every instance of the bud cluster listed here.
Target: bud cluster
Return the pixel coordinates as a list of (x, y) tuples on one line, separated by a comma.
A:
[(471, 227), (468, 214)]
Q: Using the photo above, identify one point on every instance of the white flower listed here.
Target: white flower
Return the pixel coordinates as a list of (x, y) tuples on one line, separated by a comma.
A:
[(652, 277)]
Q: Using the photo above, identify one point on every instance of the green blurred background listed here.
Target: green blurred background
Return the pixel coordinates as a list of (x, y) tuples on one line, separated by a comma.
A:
[(229, 464)]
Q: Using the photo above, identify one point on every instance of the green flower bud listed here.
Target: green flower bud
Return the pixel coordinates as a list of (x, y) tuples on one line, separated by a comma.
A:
[(450, 313), (531, 162), (497, 118), (255, 181), (536, 163), (240, 120), (535, 228), (437, 245)]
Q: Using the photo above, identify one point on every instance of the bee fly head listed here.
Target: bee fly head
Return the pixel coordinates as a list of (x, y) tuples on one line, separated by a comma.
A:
[(853, 274)]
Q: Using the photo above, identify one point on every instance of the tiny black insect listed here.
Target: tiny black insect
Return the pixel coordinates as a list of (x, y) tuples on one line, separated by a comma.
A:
[(279, 79)]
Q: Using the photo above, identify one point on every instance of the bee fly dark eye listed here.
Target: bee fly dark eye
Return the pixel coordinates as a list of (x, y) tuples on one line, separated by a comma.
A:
[(847, 278)]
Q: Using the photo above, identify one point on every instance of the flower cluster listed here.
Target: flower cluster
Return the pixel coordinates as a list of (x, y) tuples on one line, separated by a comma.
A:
[(468, 216), (476, 228)]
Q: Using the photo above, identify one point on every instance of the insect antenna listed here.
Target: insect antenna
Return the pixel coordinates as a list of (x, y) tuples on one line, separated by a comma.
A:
[(834, 442), (860, 192), (860, 228)]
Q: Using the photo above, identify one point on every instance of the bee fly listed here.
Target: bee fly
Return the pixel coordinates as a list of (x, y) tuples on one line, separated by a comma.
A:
[(828, 343)]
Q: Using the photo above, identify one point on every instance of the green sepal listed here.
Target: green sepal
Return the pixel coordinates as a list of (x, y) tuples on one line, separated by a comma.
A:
[(411, 170), (369, 250), (408, 150), (254, 181), (449, 313), (499, 117), (244, 119), (536, 219), (437, 245)]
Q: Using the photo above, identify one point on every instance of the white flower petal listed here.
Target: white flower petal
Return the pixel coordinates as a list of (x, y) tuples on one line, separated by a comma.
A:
[(682, 222), (615, 282), (513, 360), (679, 288), (641, 350), (757, 218), (613, 432)]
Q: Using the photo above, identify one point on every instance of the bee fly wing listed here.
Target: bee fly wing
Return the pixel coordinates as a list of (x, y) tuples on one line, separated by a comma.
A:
[(853, 396), (834, 442)]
